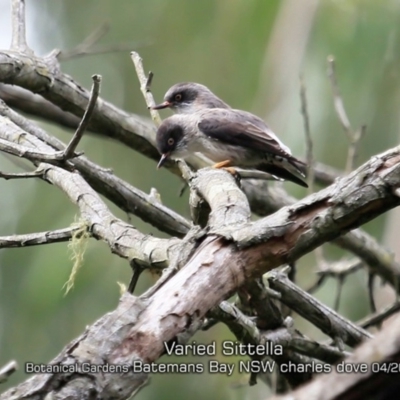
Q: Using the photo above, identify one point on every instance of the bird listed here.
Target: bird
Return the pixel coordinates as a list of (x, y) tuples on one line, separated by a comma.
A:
[(189, 97), (243, 131)]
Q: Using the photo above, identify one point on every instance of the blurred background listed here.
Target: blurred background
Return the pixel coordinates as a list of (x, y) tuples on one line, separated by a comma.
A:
[(249, 52)]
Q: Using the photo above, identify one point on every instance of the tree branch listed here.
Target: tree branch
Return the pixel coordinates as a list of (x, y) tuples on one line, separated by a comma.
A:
[(145, 83), (127, 197), (380, 316), (8, 370), (36, 106), (329, 321), (94, 94), (18, 40), (380, 355), (137, 330), (34, 239), (131, 130), (307, 133), (353, 137), (376, 257)]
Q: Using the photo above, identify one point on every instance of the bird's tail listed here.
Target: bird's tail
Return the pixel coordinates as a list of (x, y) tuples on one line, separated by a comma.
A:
[(290, 169)]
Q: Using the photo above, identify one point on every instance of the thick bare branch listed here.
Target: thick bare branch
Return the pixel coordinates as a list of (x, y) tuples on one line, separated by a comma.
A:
[(104, 181), (138, 329), (229, 205), (44, 77), (122, 238), (376, 257), (36, 106), (129, 130)]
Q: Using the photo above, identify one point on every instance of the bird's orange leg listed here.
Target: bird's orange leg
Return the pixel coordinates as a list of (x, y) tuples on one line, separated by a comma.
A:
[(222, 164), (232, 171), (226, 166)]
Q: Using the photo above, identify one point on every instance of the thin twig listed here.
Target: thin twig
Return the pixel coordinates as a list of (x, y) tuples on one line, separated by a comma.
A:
[(18, 40), (353, 137), (8, 370), (137, 271), (106, 49), (341, 268), (26, 152), (187, 173), (307, 132), (378, 259), (380, 316), (371, 280), (325, 174), (145, 83), (319, 255), (340, 283), (82, 48), (34, 239), (317, 350), (337, 99), (149, 81), (254, 174), (22, 175), (353, 147), (318, 252), (317, 284), (326, 319), (241, 325), (94, 94), (88, 45)]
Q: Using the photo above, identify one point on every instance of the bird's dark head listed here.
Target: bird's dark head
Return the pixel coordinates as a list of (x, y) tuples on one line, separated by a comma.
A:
[(169, 140), (189, 97)]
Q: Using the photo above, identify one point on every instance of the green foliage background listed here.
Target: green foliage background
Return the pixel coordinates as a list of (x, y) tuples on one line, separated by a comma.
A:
[(249, 52)]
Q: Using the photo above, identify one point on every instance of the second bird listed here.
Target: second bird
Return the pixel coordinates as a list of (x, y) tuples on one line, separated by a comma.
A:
[(229, 137)]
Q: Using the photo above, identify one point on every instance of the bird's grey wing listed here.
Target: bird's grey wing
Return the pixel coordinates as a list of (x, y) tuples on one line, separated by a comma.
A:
[(258, 122), (230, 128), (234, 128)]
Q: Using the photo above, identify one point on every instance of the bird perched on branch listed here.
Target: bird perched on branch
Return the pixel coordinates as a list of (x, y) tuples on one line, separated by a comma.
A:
[(189, 97), (229, 137)]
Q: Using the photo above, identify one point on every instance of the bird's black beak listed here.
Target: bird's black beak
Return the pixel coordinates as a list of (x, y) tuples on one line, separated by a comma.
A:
[(163, 158), (165, 104)]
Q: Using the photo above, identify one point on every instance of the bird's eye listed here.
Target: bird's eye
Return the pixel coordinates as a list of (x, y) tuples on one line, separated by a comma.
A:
[(170, 141), (178, 97)]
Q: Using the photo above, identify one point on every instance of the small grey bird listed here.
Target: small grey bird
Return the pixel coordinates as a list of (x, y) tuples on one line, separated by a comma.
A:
[(189, 97), (228, 137), (217, 136)]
